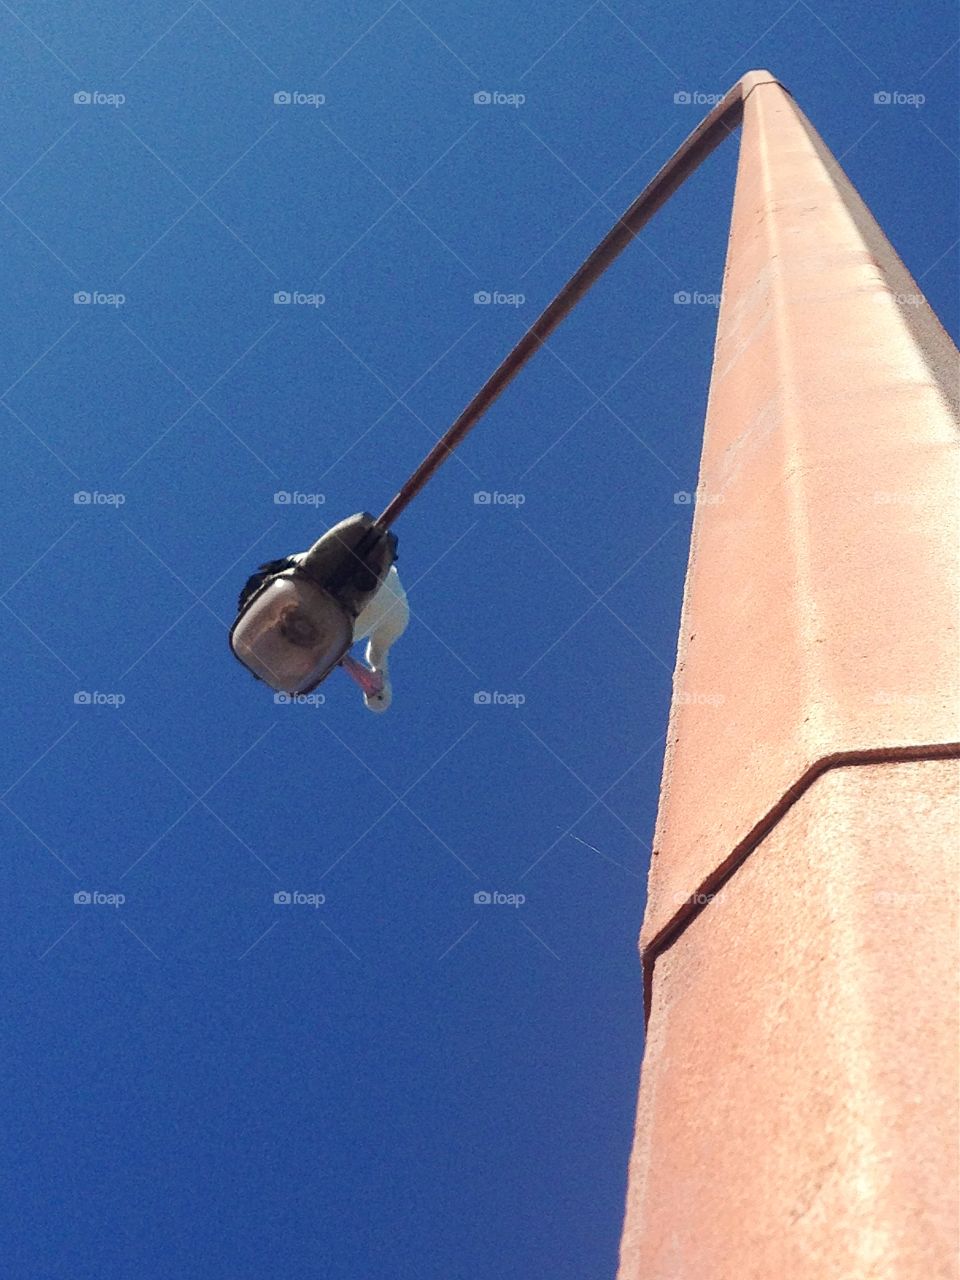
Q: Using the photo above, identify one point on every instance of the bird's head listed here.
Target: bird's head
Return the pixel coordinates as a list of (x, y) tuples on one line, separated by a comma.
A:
[(379, 700), (377, 693)]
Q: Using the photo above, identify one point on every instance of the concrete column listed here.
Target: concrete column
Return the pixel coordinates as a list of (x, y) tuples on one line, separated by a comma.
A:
[(799, 1094)]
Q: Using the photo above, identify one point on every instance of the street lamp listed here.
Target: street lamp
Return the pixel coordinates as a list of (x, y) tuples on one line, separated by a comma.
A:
[(295, 620)]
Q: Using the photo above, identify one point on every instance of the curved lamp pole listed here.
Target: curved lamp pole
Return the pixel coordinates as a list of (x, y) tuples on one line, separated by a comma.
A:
[(712, 130)]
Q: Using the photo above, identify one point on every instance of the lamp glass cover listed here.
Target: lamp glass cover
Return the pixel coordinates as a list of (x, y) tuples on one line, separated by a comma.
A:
[(292, 635)]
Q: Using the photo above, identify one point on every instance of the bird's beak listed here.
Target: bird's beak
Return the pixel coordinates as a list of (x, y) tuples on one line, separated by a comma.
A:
[(369, 681)]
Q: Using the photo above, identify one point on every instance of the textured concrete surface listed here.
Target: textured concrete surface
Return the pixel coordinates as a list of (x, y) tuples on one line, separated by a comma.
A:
[(799, 1097), (799, 1094)]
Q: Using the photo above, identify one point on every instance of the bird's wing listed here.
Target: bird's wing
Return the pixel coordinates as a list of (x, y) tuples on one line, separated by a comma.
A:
[(256, 580), (385, 618)]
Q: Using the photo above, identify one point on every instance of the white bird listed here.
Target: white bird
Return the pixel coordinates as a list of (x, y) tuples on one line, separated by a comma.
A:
[(380, 623)]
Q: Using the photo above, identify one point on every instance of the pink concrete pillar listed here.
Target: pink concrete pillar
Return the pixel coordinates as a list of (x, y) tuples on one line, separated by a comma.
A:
[(799, 1093)]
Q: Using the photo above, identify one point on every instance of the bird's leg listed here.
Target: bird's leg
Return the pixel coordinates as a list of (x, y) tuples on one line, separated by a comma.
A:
[(371, 682)]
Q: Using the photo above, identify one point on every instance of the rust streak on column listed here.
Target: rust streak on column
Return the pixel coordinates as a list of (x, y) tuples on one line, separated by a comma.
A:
[(800, 947)]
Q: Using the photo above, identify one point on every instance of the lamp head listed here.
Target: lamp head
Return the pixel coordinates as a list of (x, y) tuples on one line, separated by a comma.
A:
[(296, 615), (292, 633)]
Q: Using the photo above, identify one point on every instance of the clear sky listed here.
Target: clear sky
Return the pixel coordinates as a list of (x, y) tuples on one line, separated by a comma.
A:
[(400, 1082)]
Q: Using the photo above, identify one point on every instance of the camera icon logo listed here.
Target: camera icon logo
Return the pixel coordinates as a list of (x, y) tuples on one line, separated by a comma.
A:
[(482, 698), (482, 298), (483, 98), (682, 498), (82, 298), (81, 498), (82, 898), (282, 98), (282, 899), (682, 98), (281, 498), (282, 699), (482, 498), (281, 298), (82, 98), (882, 98), (81, 698), (682, 297), (482, 898)]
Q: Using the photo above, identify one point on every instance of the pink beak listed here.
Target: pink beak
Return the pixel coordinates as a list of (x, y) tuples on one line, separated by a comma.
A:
[(369, 681)]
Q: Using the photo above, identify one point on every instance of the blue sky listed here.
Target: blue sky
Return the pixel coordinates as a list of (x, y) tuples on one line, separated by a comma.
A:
[(398, 1082)]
